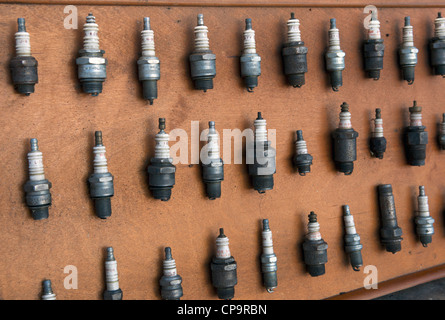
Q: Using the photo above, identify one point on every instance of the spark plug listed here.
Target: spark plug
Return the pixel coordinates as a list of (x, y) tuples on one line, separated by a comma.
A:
[(345, 145), (23, 66), (416, 138), (373, 49), (315, 249), (302, 159), (171, 288), (408, 53), (223, 267), (261, 158), (250, 60), (101, 181), (353, 247), (47, 293), (91, 65), (390, 232), (335, 57), (294, 54), (268, 259), (148, 64), (377, 143), (424, 222), (37, 194), (113, 292), (437, 46), (161, 171), (441, 136), (212, 164), (202, 60)]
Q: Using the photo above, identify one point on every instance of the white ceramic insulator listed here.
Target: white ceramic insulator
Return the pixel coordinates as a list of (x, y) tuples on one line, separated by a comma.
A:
[(313, 231), (162, 149), (439, 27), (249, 41), (334, 39), (423, 207), (374, 30), (293, 30), (267, 242), (50, 296), (91, 38), (213, 144), (100, 160), (260, 130), (300, 147), (345, 120), (415, 119), (442, 128), (349, 224), (35, 165), (378, 128), (201, 39), (169, 268), (148, 43), (111, 276), (22, 44), (222, 248), (408, 36)]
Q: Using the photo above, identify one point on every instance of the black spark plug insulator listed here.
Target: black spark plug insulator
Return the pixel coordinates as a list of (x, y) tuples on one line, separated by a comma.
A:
[(441, 135), (437, 46), (294, 54), (416, 138), (23, 66), (101, 181), (212, 164), (373, 49), (353, 247), (171, 282), (315, 249), (390, 232), (302, 159), (161, 171), (345, 145), (377, 143), (223, 268)]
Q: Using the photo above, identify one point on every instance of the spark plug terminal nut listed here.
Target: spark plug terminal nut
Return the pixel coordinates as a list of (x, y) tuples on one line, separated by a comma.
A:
[(171, 282), (335, 57), (373, 49), (37, 194), (202, 59), (161, 171), (345, 144), (416, 138), (437, 46), (390, 232), (424, 222), (377, 143), (91, 64), (268, 259), (302, 159), (223, 268), (148, 64), (101, 181), (353, 247), (260, 157), (408, 53), (315, 249), (23, 66), (250, 60), (212, 164), (113, 291), (294, 54)]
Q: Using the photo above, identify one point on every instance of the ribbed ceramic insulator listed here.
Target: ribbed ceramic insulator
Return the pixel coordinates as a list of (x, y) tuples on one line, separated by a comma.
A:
[(334, 36), (201, 39), (415, 119), (213, 142), (100, 160), (91, 38), (162, 149), (345, 120), (313, 228), (267, 241), (169, 268), (300, 147), (35, 162), (222, 247), (22, 42), (260, 130), (439, 26), (422, 201), (408, 35), (378, 128), (293, 30), (349, 221), (147, 39), (249, 41), (374, 29)]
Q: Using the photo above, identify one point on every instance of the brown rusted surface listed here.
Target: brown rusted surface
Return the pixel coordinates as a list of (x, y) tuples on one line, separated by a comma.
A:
[(64, 121)]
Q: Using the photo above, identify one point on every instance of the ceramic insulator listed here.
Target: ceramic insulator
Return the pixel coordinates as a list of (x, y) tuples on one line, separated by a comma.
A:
[(422, 201), (148, 40), (267, 241), (213, 142), (222, 247), (345, 120), (169, 268), (415, 119), (91, 38), (334, 36), (313, 231), (300, 147), (439, 26), (111, 276), (100, 160), (22, 42), (349, 221), (408, 36), (35, 162), (249, 41), (293, 30), (162, 149), (260, 129), (201, 39), (374, 29), (378, 128)]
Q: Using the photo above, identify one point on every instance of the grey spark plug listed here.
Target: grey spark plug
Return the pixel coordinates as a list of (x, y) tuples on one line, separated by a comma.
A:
[(37, 194), (373, 49), (390, 232), (335, 57), (268, 259), (113, 291), (353, 247), (161, 171), (171, 288), (202, 60), (47, 292), (424, 222), (101, 181), (416, 138), (315, 249), (23, 66), (408, 53), (91, 65), (212, 164), (250, 60), (302, 159), (437, 46), (148, 64)]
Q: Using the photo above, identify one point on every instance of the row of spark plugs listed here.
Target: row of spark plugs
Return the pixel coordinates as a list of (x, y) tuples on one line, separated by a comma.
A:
[(223, 266), (92, 63)]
